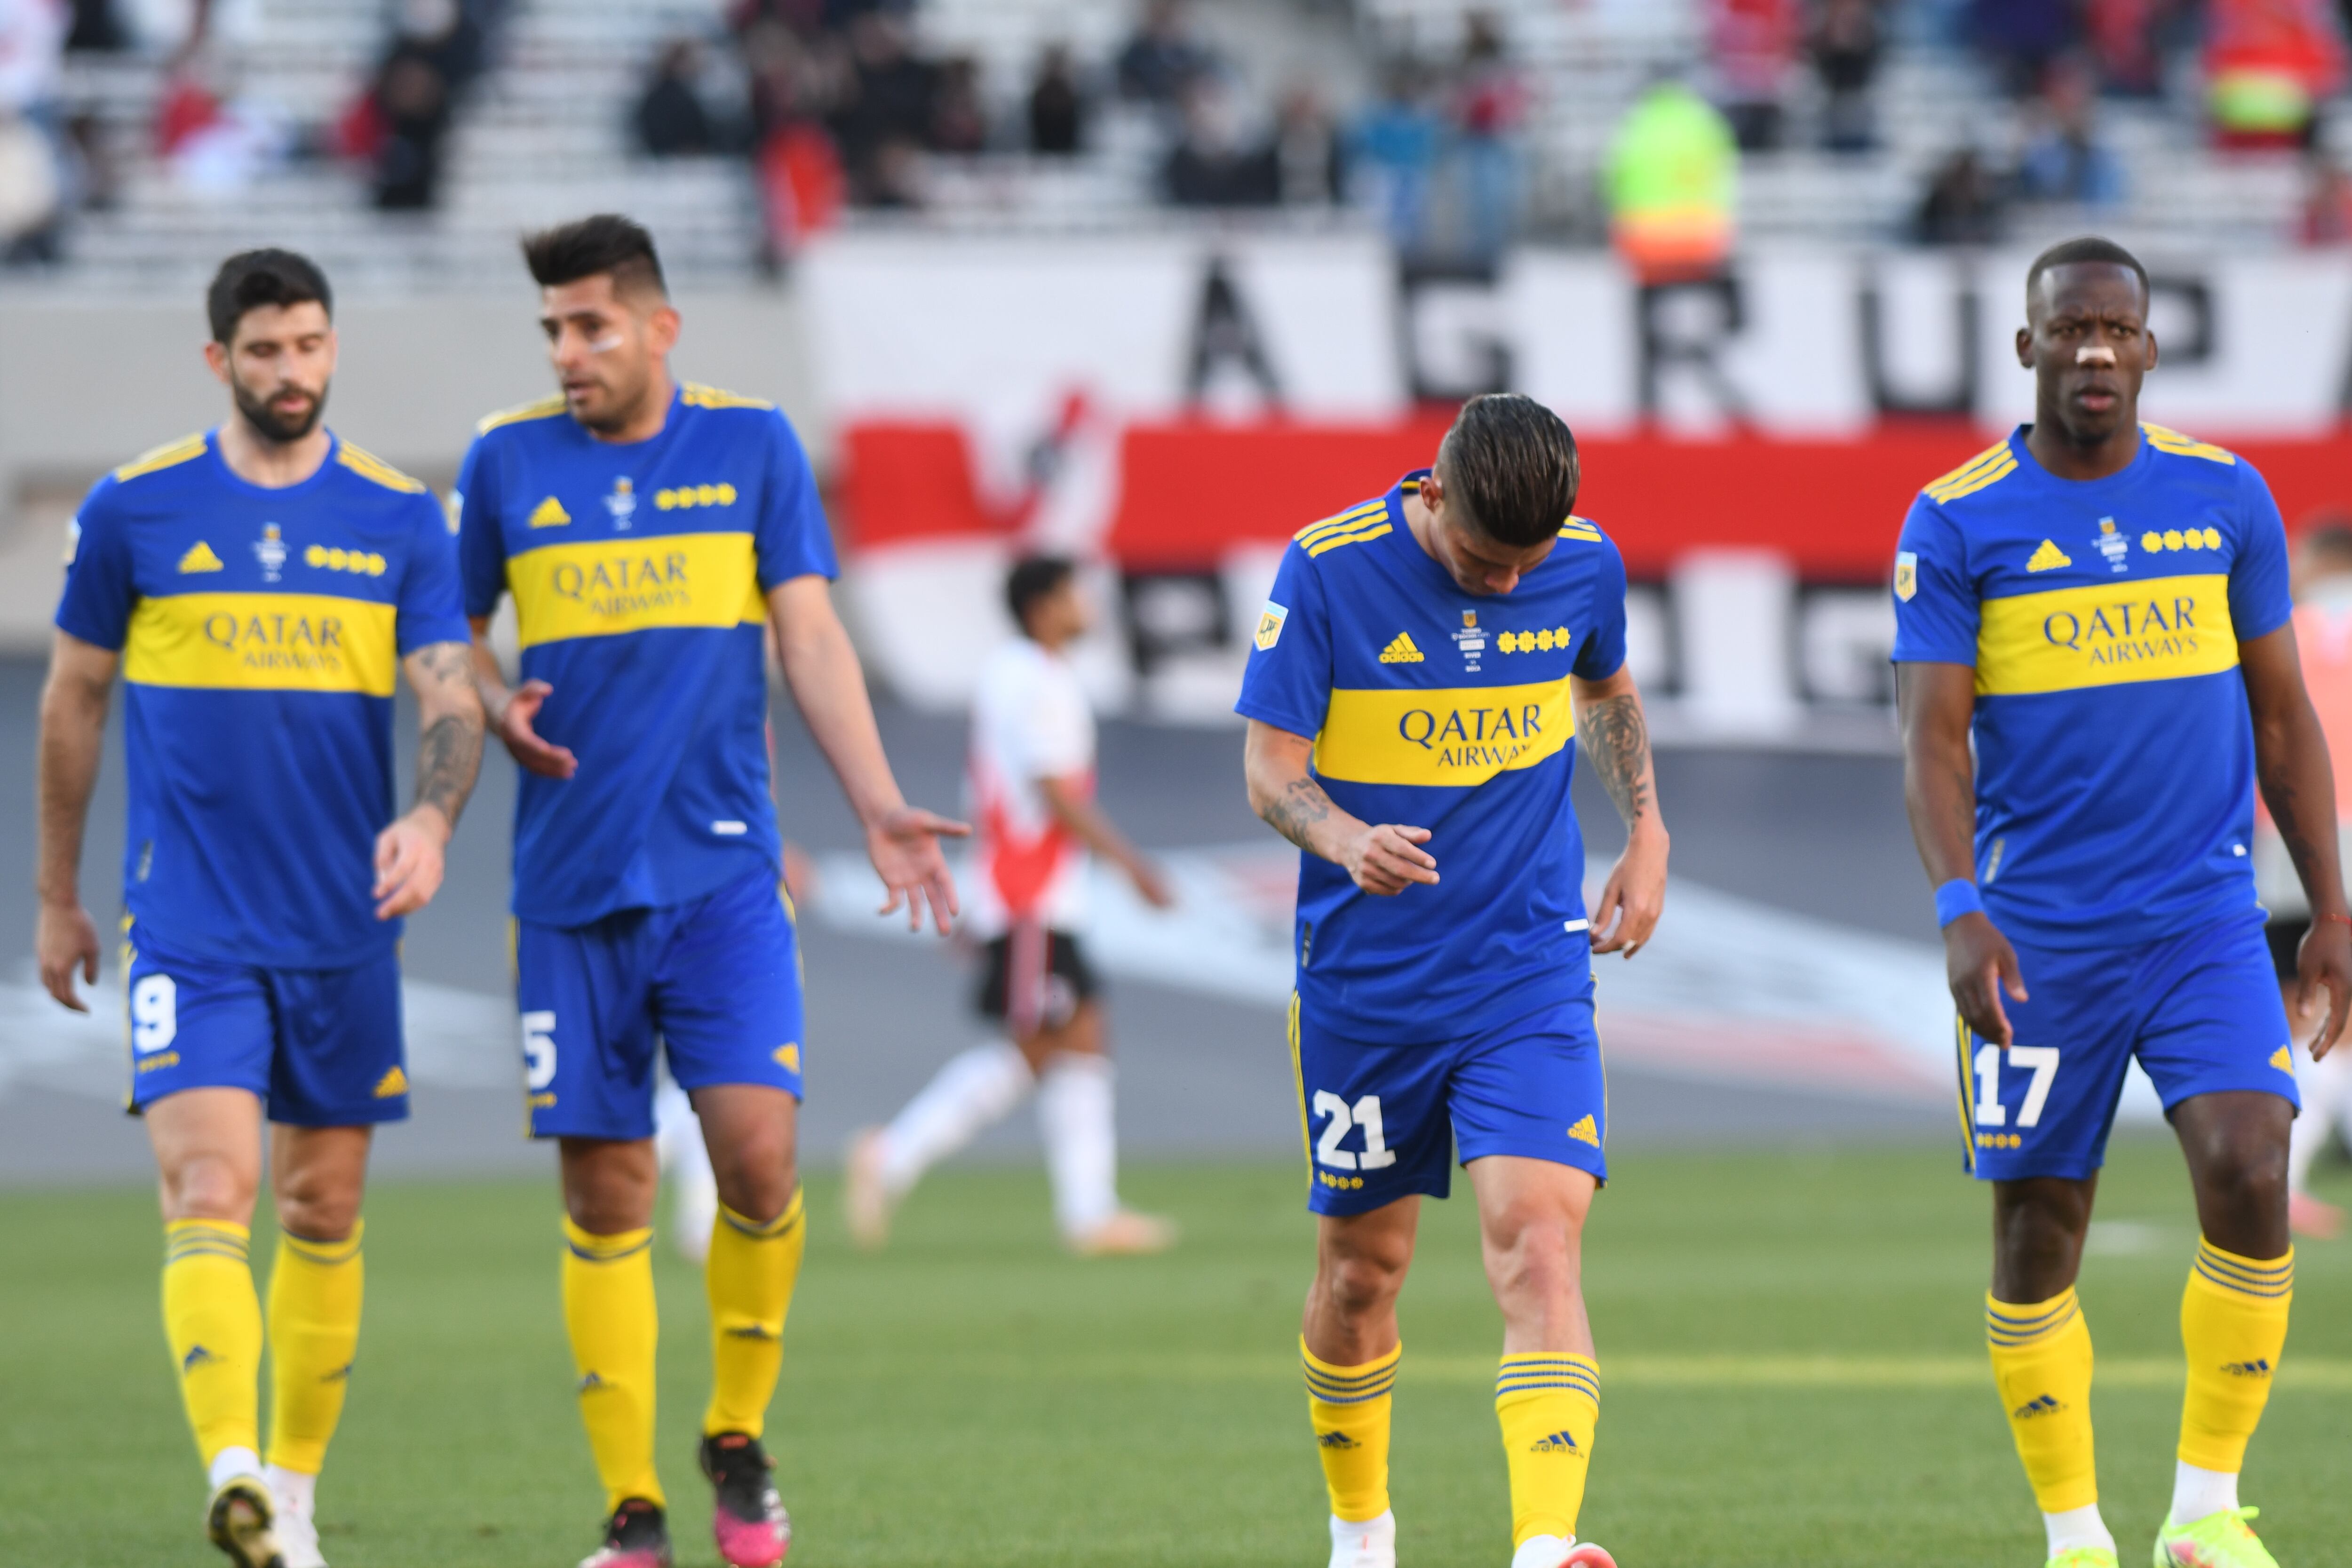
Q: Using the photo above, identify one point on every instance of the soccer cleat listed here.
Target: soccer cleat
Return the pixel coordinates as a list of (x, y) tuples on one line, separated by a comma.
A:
[(1125, 1235), (1370, 1544), (2218, 1540), (747, 1516), (243, 1522), (297, 1539), (1555, 1551), (2083, 1557), (637, 1536), (864, 1200)]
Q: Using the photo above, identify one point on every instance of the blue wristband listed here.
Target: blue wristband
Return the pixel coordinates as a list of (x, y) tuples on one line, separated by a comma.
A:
[(1955, 899)]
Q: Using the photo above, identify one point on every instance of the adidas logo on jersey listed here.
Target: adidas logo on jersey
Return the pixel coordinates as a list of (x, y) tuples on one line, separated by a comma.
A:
[(1561, 1442), (549, 513), (1400, 650), (392, 1084), (2284, 1059), (200, 558), (1584, 1131), (2049, 558)]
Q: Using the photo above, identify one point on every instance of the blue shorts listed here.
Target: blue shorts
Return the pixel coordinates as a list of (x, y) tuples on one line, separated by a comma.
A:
[(716, 980), (2200, 1011), (1381, 1119), (322, 1048)]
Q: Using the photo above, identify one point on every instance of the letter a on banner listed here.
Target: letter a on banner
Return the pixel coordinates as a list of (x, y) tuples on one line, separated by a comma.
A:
[(1224, 332)]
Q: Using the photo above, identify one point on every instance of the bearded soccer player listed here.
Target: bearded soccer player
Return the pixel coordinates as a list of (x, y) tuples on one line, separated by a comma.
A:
[(650, 534), (257, 587), (2102, 606), (1417, 675)]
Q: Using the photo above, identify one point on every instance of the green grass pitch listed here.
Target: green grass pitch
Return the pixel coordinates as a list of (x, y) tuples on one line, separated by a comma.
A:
[(1790, 1351)]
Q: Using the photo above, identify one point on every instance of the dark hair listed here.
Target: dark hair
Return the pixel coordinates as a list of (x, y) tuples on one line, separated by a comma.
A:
[(2089, 248), (253, 279), (1034, 577), (604, 243), (2327, 534), (1509, 463)]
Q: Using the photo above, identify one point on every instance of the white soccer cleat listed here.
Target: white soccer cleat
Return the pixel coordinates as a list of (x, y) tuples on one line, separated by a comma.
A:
[(297, 1539), (1125, 1233), (1369, 1543), (866, 1199), (1560, 1551)]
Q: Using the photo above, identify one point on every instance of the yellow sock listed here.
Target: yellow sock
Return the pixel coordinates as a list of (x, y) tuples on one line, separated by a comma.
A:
[(2042, 1366), (748, 1276), (2234, 1326), (1349, 1408), (214, 1321), (1549, 1404), (314, 1332), (608, 1309)]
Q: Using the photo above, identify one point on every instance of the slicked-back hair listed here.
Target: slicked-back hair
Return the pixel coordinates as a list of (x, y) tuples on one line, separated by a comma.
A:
[(1035, 578), (254, 279), (604, 243), (1510, 464), (2090, 248)]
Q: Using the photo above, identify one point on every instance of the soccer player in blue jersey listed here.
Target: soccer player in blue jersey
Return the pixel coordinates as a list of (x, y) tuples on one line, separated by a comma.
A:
[(2102, 606), (258, 587), (1416, 677), (650, 534)]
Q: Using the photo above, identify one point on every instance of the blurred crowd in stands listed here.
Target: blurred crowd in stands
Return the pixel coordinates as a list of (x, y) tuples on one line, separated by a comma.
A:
[(835, 106)]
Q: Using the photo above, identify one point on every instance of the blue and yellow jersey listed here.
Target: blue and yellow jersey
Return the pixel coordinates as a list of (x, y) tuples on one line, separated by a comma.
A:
[(2114, 752), (1439, 709), (261, 632), (638, 571)]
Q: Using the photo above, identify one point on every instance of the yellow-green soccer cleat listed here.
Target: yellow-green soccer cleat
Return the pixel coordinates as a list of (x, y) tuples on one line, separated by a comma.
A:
[(243, 1522), (2083, 1557), (2218, 1540)]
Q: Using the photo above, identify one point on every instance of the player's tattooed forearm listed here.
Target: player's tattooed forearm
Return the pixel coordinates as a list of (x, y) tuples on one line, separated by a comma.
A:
[(447, 663), (1295, 812), (447, 758), (1617, 742)]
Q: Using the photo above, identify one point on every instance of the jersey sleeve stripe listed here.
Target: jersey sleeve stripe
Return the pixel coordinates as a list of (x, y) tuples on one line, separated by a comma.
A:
[(1333, 541), (1342, 521), (543, 408), (1970, 481), (697, 395), (2181, 446), (1991, 456), (368, 465), (171, 454)]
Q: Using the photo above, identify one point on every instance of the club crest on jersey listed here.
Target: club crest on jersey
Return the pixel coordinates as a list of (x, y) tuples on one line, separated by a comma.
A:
[(2110, 543), (1471, 640), (1269, 624), (270, 551), (622, 503), (1906, 574)]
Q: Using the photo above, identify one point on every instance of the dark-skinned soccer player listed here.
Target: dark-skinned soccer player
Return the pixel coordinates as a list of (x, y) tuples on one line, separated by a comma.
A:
[(2102, 606)]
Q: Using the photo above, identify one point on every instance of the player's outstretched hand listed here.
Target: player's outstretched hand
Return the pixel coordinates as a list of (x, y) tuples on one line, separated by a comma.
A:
[(2325, 960), (904, 846), (1980, 966), (1634, 897), (531, 753), (1387, 858), (66, 941), (408, 862)]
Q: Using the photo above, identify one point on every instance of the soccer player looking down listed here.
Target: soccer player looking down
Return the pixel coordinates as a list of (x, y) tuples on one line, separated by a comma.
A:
[(1031, 787), (256, 586), (650, 534), (1416, 677), (2103, 605)]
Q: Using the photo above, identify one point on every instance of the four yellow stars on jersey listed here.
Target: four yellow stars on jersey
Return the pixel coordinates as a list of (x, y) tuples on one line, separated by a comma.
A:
[(1532, 642)]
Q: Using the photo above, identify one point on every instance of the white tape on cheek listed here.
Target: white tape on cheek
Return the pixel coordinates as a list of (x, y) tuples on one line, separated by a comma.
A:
[(604, 345)]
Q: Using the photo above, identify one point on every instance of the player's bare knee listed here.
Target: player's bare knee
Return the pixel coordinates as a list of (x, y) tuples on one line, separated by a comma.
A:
[(608, 1186), (1535, 1264), (1359, 1284), (208, 1186), (317, 1210), (756, 1182)]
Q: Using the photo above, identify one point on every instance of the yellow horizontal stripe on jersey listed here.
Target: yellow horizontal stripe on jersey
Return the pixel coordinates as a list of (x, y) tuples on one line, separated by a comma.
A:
[(263, 642), (604, 587), (2115, 634), (1459, 736)]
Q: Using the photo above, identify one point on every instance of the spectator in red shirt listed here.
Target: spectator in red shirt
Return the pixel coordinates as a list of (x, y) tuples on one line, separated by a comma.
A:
[(1752, 45)]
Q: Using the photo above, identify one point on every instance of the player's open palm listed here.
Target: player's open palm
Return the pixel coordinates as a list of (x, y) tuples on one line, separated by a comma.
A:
[(2325, 960), (904, 846), (516, 726), (67, 940)]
